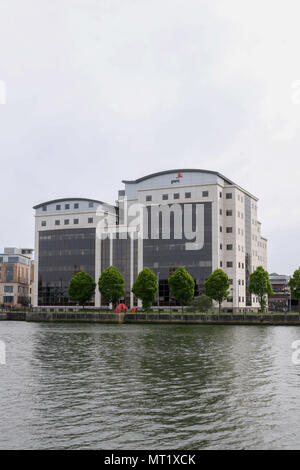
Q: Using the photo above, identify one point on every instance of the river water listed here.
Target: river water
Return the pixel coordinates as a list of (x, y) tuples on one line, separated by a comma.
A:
[(94, 386)]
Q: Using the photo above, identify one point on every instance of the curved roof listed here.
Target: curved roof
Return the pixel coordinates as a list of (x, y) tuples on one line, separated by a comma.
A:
[(54, 201), (177, 170), (187, 170)]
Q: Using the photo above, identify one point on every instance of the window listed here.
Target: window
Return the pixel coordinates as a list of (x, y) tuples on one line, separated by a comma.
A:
[(220, 211), (220, 229), (8, 289), (67, 206), (228, 229), (90, 220), (228, 213), (58, 207), (165, 197), (188, 195), (228, 195), (44, 208), (176, 196), (221, 264), (44, 223), (66, 221), (231, 281), (76, 205), (91, 204), (229, 264), (221, 246), (76, 221), (228, 247), (57, 222), (220, 194), (204, 193), (148, 198)]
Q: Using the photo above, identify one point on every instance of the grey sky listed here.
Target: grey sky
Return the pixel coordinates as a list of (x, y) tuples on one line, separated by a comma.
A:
[(99, 91)]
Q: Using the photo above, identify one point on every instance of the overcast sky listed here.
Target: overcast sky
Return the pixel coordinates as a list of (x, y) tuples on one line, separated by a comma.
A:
[(103, 90)]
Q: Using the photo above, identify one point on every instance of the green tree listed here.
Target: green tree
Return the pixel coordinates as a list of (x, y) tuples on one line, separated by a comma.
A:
[(111, 285), (217, 286), (81, 288), (260, 285), (294, 284), (182, 286), (145, 287), (201, 303)]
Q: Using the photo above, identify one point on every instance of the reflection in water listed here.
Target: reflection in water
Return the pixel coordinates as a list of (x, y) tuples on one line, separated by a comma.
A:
[(148, 386)]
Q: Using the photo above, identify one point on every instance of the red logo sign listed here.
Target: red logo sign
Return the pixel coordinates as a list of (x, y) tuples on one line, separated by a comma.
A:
[(179, 175)]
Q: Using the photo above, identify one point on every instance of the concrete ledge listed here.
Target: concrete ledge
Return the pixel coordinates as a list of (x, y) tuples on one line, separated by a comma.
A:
[(167, 318)]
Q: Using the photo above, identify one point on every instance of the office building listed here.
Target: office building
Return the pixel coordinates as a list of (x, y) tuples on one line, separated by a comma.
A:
[(187, 217)]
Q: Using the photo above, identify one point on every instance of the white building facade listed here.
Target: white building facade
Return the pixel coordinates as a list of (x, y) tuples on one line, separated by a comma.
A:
[(194, 218)]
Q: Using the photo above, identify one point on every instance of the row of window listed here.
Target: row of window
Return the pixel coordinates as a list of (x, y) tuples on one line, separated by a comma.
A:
[(67, 206), (228, 213), (67, 222), (241, 282), (187, 195), (228, 229), (228, 195), (229, 264), (228, 247)]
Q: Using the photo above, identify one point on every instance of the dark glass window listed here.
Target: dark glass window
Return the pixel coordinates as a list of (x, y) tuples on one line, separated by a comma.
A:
[(76, 221), (188, 195), (63, 253), (221, 246), (91, 204), (9, 273), (221, 212), (228, 247), (67, 206), (58, 207), (148, 198), (43, 223), (221, 229), (204, 193), (220, 194), (66, 222), (229, 264), (90, 220), (163, 256), (228, 212), (176, 196), (44, 208), (228, 195), (76, 205), (57, 222), (228, 229), (165, 197)]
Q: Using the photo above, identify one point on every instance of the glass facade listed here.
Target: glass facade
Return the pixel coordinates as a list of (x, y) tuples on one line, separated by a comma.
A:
[(164, 256), (63, 253)]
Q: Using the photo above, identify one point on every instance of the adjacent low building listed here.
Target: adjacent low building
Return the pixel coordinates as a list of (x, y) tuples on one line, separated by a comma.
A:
[(16, 276), (187, 217), (281, 300)]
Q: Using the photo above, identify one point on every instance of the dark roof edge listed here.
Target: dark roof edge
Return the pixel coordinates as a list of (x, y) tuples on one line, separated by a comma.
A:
[(176, 170), (182, 170), (53, 201)]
